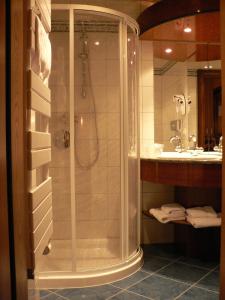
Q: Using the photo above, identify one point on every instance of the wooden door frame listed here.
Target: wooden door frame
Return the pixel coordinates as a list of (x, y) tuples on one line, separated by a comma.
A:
[(5, 271), (13, 103), (222, 257), (18, 149), (18, 63)]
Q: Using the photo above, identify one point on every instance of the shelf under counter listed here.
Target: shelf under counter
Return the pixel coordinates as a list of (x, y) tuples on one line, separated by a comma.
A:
[(189, 173), (183, 222)]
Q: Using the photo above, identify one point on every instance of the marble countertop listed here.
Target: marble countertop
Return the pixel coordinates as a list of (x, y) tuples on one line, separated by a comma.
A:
[(177, 159)]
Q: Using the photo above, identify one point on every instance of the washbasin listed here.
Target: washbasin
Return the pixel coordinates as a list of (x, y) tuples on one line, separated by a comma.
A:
[(191, 155)]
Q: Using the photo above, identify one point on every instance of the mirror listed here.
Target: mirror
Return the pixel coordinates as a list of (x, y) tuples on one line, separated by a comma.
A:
[(187, 80)]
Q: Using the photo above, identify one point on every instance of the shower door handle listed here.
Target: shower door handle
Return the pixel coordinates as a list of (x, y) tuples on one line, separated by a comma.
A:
[(66, 138)]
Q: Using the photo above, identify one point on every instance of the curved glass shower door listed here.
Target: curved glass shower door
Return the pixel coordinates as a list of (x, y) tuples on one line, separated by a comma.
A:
[(95, 152), (97, 142)]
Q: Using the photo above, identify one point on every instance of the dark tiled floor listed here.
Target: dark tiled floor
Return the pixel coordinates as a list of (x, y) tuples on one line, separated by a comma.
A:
[(165, 275)]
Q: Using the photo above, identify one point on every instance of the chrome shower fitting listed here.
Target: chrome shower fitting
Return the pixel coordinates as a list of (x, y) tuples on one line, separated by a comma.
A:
[(177, 142), (192, 138), (62, 139), (84, 60)]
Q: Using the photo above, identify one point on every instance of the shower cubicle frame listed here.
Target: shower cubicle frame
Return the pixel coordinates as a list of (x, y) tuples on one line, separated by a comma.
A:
[(129, 264)]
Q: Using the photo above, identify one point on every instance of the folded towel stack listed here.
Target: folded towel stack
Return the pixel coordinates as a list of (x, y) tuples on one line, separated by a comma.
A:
[(204, 216), (198, 217), (169, 212)]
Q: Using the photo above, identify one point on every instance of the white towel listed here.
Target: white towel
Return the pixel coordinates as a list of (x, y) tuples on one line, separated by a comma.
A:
[(165, 218), (175, 214), (171, 207), (201, 212), (43, 50), (204, 222)]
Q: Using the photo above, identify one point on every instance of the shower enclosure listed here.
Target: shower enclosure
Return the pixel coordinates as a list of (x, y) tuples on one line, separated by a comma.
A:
[(95, 150)]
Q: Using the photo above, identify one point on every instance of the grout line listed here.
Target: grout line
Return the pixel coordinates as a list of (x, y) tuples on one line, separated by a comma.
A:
[(208, 290), (184, 263), (147, 275), (150, 274), (172, 279), (131, 292), (39, 290), (145, 297), (196, 266), (162, 257), (60, 295), (194, 284), (117, 293), (170, 263)]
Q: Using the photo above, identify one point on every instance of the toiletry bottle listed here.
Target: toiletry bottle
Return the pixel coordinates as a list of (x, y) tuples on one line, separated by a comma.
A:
[(212, 140), (207, 141)]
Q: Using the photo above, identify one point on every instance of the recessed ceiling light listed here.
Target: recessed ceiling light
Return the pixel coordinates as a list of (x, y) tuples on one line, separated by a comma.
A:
[(168, 50), (97, 43), (187, 29)]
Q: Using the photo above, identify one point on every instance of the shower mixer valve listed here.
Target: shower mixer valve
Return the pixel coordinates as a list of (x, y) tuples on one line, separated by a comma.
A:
[(66, 138)]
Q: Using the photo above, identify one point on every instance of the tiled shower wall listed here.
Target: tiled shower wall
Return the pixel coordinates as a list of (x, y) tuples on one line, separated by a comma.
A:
[(60, 165), (98, 188)]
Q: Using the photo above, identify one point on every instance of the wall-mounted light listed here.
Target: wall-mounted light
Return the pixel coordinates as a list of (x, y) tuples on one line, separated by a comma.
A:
[(168, 50), (97, 43), (128, 40)]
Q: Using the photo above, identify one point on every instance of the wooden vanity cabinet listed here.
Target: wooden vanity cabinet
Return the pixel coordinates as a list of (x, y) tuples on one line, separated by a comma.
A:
[(182, 173)]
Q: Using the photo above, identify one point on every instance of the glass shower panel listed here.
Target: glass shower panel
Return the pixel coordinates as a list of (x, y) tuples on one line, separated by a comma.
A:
[(60, 256), (97, 148), (133, 154)]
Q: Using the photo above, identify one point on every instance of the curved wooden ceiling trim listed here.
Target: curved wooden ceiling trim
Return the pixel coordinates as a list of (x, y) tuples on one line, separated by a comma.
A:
[(168, 10)]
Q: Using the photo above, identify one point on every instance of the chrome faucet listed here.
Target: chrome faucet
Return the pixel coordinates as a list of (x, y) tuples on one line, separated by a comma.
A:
[(192, 138), (219, 148), (177, 142)]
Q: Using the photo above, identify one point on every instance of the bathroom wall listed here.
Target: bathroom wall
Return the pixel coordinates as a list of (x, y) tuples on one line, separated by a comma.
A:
[(146, 95), (153, 195)]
